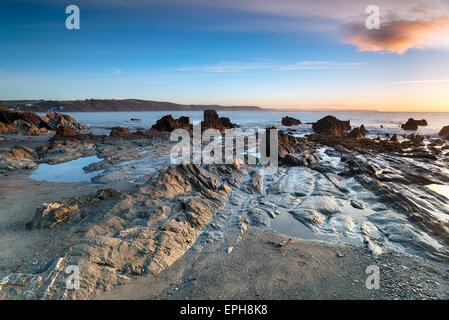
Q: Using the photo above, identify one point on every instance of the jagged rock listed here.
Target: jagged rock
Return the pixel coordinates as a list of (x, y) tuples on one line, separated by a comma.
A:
[(8, 116), (32, 124), (330, 125), (363, 130), (18, 152), (416, 138), (413, 124), (48, 215), (5, 128), (293, 160), (212, 121), (34, 131), (394, 138), (65, 132), (22, 125), (257, 180), (444, 132), (304, 159), (289, 121), (19, 157), (358, 133), (287, 144), (106, 194), (168, 124), (119, 132), (54, 119)]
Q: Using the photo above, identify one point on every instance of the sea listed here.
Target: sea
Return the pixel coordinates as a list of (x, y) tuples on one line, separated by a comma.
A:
[(378, 123)]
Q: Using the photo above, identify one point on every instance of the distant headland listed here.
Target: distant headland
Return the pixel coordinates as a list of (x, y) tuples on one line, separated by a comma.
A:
[(98, 105)]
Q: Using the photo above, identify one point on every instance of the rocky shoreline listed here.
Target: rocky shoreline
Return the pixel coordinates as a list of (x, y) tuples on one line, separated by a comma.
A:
[(142, 216)]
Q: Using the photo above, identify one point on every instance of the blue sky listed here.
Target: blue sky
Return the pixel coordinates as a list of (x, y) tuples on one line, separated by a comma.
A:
[(284, 53)]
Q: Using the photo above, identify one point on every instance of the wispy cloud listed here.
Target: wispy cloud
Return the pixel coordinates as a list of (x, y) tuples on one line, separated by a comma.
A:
[(236, 67), (421, 81), (230, 67), (322, 65)]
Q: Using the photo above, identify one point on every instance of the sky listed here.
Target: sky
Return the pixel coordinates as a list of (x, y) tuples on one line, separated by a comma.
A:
[(289, 54)]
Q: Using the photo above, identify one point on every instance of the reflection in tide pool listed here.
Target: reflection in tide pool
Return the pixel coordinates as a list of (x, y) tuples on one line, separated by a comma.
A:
[(71, 171)]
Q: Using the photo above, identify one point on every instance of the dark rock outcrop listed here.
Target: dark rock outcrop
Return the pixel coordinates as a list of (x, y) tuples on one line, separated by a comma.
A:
[(358, 133), (416, 138), (444, 132), (9, 116), (53, 120), (421, 123), (289, 121), (18, 157), (168, 124), (119, 132), (212, 121), (413, 124), (12, 120), (287, 144), (5, 128), (293, 151), (394, 138), (363, 130), (65, 132), (331, 126)]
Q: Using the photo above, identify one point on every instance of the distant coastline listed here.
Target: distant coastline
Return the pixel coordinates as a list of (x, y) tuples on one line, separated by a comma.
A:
[(138, 105), (111, 105)]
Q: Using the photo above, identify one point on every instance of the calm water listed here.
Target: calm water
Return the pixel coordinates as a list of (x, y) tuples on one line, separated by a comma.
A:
[(102, 122), (71, 171)]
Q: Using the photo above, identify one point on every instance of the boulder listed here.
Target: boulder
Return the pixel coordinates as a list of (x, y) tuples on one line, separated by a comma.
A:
[(119, 132), (413, 124), (332, 126), (48, 215), (444, 132), (168, 124), (289, 121), (65, 132)]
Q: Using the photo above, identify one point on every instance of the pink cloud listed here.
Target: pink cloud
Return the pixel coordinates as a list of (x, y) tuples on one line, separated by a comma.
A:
[(398, 36)]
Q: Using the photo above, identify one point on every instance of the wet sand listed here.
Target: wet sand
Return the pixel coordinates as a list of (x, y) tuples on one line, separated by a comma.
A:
[(19, 198), (258, 269)]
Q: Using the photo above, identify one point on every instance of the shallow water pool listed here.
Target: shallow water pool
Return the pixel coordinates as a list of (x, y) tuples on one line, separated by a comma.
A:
[(71, 171)]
